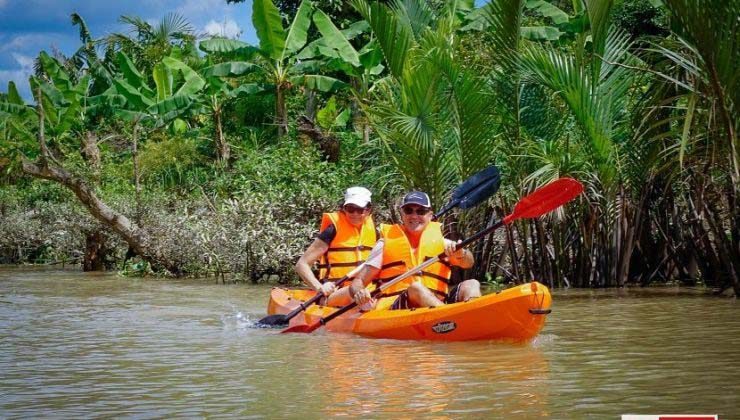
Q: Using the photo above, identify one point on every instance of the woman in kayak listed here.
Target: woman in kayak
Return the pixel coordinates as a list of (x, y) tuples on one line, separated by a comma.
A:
[(404, 247), (344, 242)]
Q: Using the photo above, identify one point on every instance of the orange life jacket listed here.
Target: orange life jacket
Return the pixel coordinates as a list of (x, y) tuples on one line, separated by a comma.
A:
[(350, 246), (398, 259)]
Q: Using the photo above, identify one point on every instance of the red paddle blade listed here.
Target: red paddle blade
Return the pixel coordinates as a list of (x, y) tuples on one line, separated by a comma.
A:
[(545, 199), (305, 329)]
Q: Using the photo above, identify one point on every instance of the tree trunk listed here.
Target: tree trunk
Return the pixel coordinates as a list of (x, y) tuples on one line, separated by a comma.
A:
[(47, 168), (327, 143), (281, 112), (311, 104), (223, 150), (91, 152), (95, 252)]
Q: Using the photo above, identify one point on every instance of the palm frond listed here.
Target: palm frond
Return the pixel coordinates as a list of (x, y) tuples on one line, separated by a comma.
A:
[(139, 26), (173, 26), (414, 14), (395, 38)]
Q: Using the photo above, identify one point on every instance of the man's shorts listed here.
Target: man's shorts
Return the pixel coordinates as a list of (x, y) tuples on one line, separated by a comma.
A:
[(402, 301)]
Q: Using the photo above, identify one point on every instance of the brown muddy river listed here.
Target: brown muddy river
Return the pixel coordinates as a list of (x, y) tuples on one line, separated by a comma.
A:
[(89, 345)]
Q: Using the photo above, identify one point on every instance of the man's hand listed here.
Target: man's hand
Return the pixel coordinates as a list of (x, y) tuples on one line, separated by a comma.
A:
[(451, 250), (361, 297)]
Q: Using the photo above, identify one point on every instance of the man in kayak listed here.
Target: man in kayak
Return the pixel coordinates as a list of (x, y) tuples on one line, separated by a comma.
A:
[(407, 245), (344, 242)]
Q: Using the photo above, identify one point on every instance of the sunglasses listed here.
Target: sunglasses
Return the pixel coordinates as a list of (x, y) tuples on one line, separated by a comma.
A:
[(350, 209), (420, 211)]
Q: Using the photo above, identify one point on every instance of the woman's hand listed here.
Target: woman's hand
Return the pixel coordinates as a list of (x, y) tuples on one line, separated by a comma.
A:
[(327, 288)]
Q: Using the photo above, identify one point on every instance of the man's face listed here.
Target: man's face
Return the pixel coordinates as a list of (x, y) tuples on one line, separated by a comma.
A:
[(415, 218)]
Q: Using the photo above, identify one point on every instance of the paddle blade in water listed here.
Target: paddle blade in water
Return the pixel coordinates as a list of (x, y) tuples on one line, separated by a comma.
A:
[(277, 320), (545, 199), (305, 329)]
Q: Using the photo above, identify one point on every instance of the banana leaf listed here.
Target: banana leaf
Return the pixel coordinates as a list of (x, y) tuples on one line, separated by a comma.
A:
[(170, 108), (227, 46), (298, 32), (548, 10), (269, 26), (132, 75), (541, 33), (132, 95), (163, 79), (230, 69), (334, 39), (320, 83), (193, 81), (13, 96)]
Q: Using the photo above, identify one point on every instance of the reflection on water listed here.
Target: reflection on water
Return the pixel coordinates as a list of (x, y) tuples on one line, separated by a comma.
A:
[(77, 345)]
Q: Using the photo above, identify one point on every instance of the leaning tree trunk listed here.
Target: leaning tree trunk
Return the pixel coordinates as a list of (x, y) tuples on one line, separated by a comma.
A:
[(46, 167), (95, 248), (136, 237)]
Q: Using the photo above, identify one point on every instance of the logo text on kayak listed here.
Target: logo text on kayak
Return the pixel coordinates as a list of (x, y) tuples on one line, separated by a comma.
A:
[(444, 327)]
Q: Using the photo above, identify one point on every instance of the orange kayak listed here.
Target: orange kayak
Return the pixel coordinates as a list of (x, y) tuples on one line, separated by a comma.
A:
[(514, 314)]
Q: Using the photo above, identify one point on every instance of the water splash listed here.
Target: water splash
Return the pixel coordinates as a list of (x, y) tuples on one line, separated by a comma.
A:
[(237, 321)]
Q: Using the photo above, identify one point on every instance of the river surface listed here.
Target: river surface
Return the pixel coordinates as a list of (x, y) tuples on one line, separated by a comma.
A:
[(89, 345)]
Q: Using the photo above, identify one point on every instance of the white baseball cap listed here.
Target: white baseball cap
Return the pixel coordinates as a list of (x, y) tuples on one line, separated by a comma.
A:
[(359, 196)]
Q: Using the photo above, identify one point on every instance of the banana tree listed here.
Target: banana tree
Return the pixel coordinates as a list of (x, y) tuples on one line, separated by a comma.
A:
[(362, 67), (278, 49), (220, 88), (161, 105), (65, 103), (17, 120)]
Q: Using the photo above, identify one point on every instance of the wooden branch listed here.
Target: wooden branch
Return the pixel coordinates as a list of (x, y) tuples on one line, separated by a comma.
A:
[(136, 237)]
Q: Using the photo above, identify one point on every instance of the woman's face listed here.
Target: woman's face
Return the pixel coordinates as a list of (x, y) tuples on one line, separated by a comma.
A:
[(356, 214)]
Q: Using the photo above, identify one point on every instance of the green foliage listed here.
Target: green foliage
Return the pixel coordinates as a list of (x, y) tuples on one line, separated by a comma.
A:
[(542, 89), (160, 158), (640, 18)]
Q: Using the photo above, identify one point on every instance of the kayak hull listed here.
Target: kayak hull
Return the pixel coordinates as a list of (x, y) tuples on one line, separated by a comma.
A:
[(514, 314)]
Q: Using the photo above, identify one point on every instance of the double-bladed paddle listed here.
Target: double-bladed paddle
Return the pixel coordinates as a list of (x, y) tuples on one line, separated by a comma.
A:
[(539, 202), (469, 194)]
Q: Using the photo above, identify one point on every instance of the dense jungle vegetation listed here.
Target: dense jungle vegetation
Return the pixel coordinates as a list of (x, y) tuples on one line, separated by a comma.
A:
[(157, 150)]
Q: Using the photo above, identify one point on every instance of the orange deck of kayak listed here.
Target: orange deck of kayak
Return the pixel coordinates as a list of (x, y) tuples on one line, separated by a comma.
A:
[(514, 314)]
